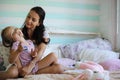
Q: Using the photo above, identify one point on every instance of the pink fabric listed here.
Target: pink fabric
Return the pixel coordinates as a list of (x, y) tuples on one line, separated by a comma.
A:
[(92, 66), (111, 64)]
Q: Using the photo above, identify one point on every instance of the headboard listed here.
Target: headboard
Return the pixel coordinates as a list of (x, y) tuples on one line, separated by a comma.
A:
[(70, 36), (69, 32)]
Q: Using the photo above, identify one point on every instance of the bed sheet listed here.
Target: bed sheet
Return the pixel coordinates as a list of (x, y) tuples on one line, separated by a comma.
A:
[(114, 75)]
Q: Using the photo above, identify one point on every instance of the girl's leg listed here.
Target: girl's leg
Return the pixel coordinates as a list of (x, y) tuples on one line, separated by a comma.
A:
[(12, 72), (50, 59), (49, 65), (54, 69)]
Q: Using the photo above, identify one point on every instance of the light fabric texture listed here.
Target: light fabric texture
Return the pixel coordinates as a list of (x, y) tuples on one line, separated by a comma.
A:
[(70, 50), (4, 53), (96, 55), (66, 62), (89, 65), (111, 64), (49, 77), (53, 48)]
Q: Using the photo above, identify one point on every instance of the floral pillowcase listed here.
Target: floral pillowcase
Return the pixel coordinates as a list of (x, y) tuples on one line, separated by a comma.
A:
[(2, 67), (4, 53)]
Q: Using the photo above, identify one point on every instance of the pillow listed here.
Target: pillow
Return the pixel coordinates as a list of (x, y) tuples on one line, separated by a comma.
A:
[(4, 53), (111, 64), (52, 48), (96, 55), (2, 67), (70, 50), (89, 65), (66, 62)]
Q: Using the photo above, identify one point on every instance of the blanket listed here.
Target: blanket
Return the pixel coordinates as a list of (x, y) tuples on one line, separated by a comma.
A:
[(114, 75), (50, 77)]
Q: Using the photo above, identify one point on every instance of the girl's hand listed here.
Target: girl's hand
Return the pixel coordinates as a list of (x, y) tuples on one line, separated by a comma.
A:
[(27, 69), (34, 52), (20, 48)]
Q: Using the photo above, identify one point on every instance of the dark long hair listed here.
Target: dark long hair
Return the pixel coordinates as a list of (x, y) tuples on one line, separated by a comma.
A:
[(37, 35)]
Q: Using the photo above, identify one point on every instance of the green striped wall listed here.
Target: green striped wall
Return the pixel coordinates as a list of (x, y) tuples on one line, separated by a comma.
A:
[(78, 15)]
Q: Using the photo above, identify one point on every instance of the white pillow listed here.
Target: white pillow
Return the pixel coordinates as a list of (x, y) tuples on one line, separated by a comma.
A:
[(70, 50), (96, 55), (53, 48)]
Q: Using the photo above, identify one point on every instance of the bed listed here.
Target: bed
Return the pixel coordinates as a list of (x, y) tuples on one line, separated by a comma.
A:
[(74, 51)]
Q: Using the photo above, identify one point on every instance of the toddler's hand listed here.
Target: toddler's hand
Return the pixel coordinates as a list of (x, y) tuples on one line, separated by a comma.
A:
[(20, 48), (34, 52)]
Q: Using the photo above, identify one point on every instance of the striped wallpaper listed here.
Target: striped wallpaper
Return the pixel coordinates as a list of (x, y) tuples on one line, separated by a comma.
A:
[(79, 15)]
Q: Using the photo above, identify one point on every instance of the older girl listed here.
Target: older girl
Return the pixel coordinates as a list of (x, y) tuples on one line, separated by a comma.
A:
[(34, 29)]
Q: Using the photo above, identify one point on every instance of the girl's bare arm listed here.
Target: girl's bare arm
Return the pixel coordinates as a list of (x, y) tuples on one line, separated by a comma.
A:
[(14, 54), (40, 50)]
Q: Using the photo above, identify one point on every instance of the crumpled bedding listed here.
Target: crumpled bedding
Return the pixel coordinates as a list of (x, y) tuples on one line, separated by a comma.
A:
[(99, 44), (50, 77), (70, 50), (96, 55), (114, 75)]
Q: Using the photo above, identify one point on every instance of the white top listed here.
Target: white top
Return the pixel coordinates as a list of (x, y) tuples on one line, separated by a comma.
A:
[(45, 34)]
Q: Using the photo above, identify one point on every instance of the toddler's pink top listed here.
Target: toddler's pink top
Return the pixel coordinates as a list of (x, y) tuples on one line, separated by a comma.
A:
[(25, 56)]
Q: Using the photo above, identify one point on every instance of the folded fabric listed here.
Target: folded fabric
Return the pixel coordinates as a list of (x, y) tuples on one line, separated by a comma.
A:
[(66, 62), (96, 55), (89, 65), (111, 64), (70, 50)]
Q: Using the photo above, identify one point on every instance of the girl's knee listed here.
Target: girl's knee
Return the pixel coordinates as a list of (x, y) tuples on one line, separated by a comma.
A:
[(59, 68), (13, 72), (53, 55)]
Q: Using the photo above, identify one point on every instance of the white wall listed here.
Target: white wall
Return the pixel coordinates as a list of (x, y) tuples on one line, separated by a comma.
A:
[(108, 20), (118, 24)]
